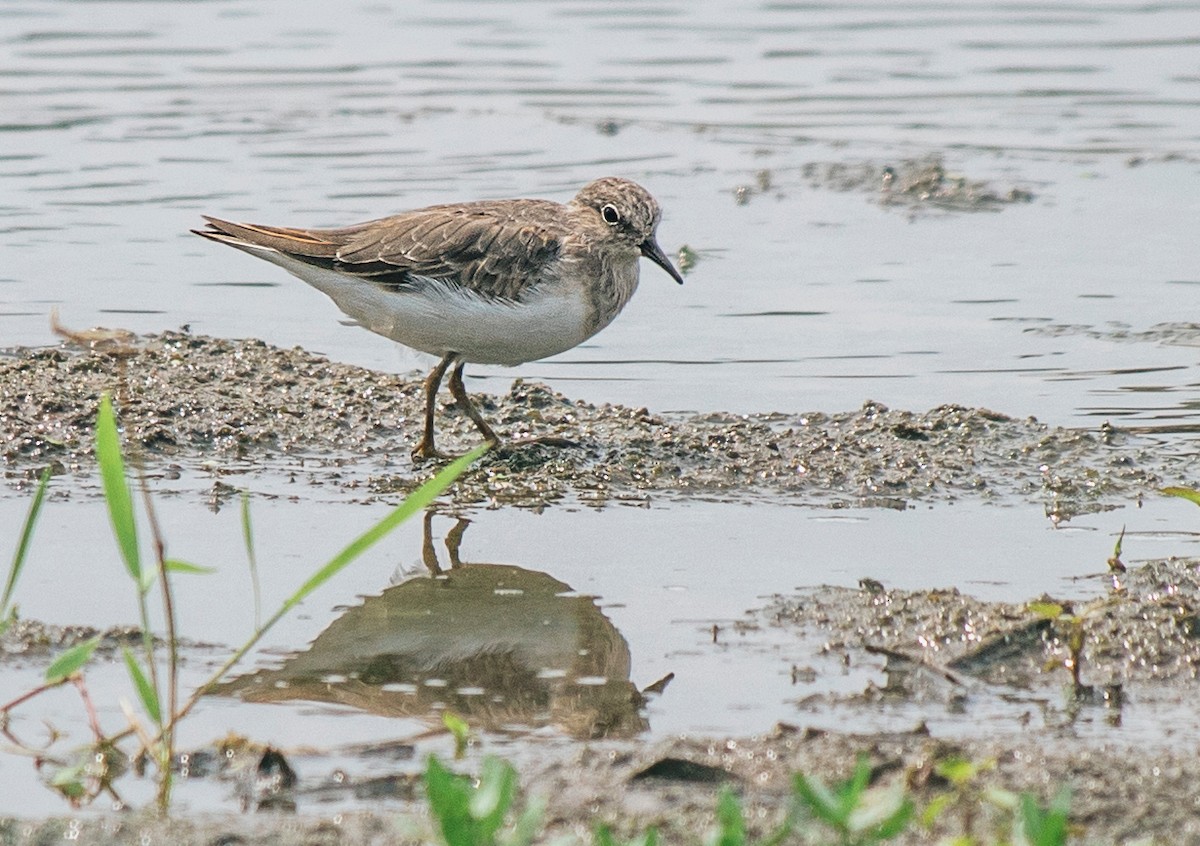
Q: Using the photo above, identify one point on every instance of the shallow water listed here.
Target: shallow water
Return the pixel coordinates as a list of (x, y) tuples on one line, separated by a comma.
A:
[(120, 123), (655, 598)]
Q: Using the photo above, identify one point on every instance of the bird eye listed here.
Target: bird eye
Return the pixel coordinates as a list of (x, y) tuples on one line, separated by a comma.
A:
[(610, 214)]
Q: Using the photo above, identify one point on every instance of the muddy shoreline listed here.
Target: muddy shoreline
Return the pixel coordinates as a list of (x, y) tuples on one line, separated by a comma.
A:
[(191, 400)]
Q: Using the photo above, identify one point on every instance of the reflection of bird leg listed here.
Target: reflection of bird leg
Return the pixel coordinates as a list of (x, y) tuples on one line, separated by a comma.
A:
[(428, 553), (454, 540)]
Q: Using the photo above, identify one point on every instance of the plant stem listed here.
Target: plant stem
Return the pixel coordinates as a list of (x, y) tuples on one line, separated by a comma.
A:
[(166, 751), (93, 720)]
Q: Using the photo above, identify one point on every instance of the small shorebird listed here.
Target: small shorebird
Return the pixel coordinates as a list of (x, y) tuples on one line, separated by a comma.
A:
[(488, 282)]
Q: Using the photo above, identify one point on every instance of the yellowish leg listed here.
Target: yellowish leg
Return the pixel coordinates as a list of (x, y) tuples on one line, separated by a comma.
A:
[(425, 448), (459, 390)]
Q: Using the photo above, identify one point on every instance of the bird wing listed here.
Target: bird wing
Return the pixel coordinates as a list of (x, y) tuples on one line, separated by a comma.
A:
[(495, 249)]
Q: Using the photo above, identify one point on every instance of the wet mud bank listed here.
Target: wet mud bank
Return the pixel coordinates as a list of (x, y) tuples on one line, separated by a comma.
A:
[(937, 665), (202, 401), (1119, 795)]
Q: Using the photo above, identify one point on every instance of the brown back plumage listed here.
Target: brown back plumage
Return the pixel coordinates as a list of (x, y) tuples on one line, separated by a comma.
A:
[(495, 248)]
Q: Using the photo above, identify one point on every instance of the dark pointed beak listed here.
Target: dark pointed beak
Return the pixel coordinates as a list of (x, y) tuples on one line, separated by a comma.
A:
[(652, 251)]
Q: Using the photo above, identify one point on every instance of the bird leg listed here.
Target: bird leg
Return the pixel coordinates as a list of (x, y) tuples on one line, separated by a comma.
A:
[(425, 448), (459, 390), (464, 402)]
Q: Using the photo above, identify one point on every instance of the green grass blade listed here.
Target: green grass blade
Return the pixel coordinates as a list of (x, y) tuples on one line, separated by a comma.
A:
[(415, 502), (145, 690), (71, 661), (1190, 494), (731, 824), (251, 558), (18, 563), (850, 793), (116, 489), (174, 565), (459, 730)]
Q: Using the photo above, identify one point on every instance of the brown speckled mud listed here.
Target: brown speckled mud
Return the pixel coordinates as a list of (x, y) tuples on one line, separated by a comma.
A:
[(197, 400)]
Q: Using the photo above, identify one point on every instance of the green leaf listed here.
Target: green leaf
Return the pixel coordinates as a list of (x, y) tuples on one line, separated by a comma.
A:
[(8, 620), (897, 822), (879, 812), (731, 824), (1006, 800), (71, 661), (18, 563), (934, 809), (959, 771), (529, 823), (1190, 494), (449, 796), (459, 730), (492, 800), (174, 565), (1049, 610), (1045, 827), (69, 782), (116, 489), (414, 502), (850, 793), (1117, 546), (818, 800), (146, 691)]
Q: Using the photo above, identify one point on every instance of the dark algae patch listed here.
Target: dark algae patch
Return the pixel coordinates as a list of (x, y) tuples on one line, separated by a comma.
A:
[(191, 399)]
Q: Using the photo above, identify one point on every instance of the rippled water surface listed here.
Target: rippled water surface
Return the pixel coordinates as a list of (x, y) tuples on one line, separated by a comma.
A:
[(122, 122), (763, 129)]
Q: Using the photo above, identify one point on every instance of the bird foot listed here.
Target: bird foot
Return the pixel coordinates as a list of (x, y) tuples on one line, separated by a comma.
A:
[(428, 452)]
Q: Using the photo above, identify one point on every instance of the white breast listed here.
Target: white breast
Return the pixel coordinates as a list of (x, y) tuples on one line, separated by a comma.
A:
[(436, 318)]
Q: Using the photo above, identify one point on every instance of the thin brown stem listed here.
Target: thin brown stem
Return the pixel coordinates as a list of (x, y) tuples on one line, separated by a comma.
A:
[(93, 719), (165, 726), (25, 697)]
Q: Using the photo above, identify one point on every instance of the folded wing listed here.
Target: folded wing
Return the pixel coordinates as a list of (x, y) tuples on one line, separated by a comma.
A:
[(494, 250)]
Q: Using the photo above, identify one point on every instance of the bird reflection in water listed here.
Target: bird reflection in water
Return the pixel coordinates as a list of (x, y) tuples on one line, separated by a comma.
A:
[(501, 646)]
